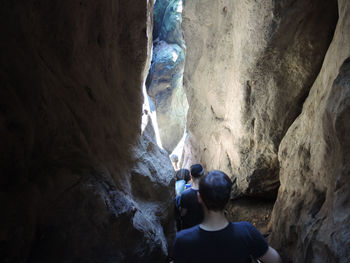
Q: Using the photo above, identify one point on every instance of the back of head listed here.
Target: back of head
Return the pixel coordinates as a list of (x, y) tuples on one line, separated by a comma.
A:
[(174, 158), (182, 174), (187, 176), (215, 190), (197, 170)]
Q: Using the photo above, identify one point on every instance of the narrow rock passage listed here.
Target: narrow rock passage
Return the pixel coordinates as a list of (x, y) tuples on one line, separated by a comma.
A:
[(267, 85)]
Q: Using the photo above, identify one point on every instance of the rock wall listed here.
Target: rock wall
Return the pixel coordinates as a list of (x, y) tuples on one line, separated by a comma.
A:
[(165, 80), (269, 95), (249, 67), (72, 159), (311, 220)]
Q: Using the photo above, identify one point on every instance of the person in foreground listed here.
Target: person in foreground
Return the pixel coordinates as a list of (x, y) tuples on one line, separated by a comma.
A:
[(216, 239)]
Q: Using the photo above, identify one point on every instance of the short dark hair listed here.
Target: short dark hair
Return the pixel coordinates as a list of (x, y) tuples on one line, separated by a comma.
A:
[(215, 190), (182, 174), (197, 170), (187, 176)]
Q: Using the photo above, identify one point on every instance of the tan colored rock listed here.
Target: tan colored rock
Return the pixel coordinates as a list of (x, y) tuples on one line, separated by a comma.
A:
[(189, 155), (72, 155), (311, 220), (249, 67), (255, 210)]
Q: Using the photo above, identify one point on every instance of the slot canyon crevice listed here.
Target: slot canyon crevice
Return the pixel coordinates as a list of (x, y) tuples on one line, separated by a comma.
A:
[(268, 90)]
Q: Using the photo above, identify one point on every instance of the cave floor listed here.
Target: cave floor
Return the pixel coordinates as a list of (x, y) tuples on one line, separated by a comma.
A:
[(253, 210)]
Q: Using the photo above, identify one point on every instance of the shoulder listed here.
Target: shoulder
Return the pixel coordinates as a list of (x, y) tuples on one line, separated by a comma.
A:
[(182, 182), (187, 235), (246, 230), (188, 193), (184, 242), (243, 225), (251, 236)]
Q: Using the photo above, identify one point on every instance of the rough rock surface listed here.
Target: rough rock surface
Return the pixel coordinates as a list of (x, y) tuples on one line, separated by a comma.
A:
[(165, 80), (171, 30), (255, 210), (311, 220), (158, 14), (72, 161), (249, 66), (189, 155), (164, 86)]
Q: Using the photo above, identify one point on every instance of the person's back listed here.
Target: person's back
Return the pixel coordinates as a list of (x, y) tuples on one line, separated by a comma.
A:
[(216, 239), (234, 243), (191, 211), (193, 214), (174, 160), (181, 176)]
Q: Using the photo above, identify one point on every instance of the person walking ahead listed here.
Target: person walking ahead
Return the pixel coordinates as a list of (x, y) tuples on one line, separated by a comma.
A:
[(216, 239), (191, 210)]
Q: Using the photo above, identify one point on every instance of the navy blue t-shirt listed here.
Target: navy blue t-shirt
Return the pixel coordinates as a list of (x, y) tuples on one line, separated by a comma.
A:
[(235, 243), (194, 210)]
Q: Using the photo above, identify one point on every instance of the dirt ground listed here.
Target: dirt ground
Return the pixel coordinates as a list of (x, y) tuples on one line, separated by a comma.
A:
[(253, 210)]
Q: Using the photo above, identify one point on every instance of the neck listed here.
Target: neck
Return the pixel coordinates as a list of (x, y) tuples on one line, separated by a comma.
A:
[(195, 184), (213, 220)]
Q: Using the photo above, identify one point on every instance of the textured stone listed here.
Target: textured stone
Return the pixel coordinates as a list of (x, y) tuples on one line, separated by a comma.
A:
[(164, 82), (164, 86), (72, 156), (171, 30), (249, 66), (158, 14), (189, 155), (166, 69), (255, 210), (311, 221)]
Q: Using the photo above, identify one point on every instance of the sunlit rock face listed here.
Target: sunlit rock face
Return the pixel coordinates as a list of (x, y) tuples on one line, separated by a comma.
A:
[(164, 86), (311, 220), (165, 79), (249, 67), (79, 183), (268, 88)]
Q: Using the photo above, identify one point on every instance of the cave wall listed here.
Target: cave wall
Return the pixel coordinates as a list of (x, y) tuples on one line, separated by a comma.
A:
[(72, 155), (249, 67), (311, 220)]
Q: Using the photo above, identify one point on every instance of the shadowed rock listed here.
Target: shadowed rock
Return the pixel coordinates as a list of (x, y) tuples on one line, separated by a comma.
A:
[(72, 156)]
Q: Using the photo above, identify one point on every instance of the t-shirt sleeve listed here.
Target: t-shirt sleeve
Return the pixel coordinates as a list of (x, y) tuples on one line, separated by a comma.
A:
[(257, 243)]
